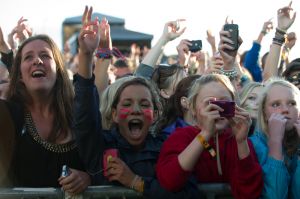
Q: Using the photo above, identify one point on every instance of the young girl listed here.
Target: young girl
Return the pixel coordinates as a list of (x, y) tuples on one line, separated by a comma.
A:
[(277, 141), (135, 107), (249, 97), (217, 149), (177, 112)]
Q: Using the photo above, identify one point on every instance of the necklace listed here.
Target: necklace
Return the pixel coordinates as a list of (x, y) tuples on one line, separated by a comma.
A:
[(56, 148)]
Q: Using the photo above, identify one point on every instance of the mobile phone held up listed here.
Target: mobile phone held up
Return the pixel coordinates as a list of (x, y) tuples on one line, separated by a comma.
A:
[(234, 35), (227, 106), (196, 46), (107, 155), (65, 171)]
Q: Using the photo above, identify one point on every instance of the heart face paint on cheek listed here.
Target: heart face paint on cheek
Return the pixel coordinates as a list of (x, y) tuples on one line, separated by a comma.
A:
[(148, 114), (124, 112)]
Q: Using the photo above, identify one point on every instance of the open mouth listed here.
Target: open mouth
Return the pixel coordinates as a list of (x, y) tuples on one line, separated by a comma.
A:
[(135, 126), (38, 74)]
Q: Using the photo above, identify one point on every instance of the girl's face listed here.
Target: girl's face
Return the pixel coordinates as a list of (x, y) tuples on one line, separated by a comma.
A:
[(252, 101), (38, 67), (213, 91), (283, 100), (134, 114)]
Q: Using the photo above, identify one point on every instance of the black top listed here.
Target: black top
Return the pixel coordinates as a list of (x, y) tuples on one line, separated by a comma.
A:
[(37, 163)]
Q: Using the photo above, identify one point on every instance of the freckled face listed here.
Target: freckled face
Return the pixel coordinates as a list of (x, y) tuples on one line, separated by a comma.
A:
[(134, 114)]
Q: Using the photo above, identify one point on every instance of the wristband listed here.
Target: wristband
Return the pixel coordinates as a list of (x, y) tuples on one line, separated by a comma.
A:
[(104, 53), (206, 145)]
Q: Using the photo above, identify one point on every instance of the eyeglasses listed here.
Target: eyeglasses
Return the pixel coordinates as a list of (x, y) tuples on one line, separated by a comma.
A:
[(295, 79)]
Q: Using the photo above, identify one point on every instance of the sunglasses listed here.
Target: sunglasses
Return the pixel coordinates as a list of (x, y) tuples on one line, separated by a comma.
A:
[(295, 79)]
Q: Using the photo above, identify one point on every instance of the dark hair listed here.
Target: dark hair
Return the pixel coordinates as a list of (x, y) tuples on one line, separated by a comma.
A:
[(120, 63), (243, 57), (292, 67), (163, 74), (62, 92), (174, 108)]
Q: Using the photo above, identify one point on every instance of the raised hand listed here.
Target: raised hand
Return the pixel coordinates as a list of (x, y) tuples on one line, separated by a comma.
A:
[(76, 182), (183, 52), (285, 18), (89, 36), (267, 27), (227, 51), (172, 30), (215, 65), (212, 41), (4, 48), (105, 38), (291, 40)]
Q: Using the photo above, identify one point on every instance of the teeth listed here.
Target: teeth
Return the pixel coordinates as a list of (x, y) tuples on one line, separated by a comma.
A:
[(38, 74)]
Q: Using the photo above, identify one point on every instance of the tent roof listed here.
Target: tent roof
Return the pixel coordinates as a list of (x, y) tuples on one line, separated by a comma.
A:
[(120, 33), (111, 20)]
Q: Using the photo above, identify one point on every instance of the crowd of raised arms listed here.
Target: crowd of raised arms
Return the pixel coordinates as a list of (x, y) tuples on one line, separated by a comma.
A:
[(157, 126)]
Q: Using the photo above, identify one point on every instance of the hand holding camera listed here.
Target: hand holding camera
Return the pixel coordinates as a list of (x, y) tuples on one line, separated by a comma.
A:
[(227, 106), (107, 156)]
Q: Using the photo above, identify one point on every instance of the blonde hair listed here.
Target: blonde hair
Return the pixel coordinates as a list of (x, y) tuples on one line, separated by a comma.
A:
[(261, 119), (205, 79), (107, 98), (291, 140), (247, 89)]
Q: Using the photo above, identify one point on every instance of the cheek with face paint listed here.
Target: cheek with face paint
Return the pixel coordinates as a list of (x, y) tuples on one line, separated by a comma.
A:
[(124, 113), (148, 114)]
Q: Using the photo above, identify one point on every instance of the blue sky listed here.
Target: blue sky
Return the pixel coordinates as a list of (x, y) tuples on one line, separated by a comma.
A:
[(46, 16)]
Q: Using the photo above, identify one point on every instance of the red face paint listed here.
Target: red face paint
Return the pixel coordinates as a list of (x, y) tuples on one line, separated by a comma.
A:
[(148, 114), (124, 112)]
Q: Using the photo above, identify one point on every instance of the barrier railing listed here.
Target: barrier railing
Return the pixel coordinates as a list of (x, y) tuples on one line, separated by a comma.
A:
[(210, 191)]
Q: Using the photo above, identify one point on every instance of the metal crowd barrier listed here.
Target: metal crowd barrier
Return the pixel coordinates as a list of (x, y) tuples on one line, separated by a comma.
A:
[(210, 191)]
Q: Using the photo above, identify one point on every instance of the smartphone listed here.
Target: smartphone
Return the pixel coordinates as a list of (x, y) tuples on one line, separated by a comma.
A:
[(65, 171), (107, 155), (234, 35), (227, 106), (196, 46)]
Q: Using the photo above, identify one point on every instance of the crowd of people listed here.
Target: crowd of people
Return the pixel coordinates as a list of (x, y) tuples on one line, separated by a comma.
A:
[(159, 127)]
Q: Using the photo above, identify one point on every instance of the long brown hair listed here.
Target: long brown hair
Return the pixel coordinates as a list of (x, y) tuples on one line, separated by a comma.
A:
[(62, 92)]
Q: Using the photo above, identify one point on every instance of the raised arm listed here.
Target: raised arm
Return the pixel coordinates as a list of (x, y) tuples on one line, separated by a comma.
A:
[(87, 118), (102, 62), (6, 53), (285, 21), (171, 31), (251, 60)]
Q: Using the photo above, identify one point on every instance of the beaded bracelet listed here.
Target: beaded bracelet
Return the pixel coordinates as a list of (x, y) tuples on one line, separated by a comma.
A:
[(104, 53)]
